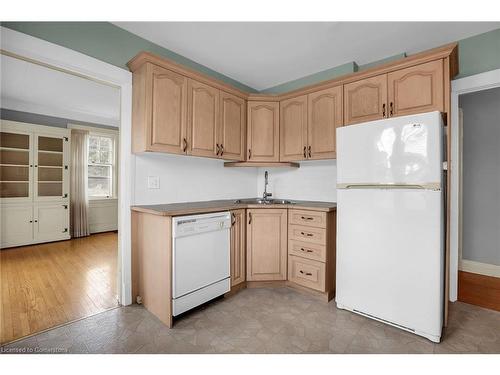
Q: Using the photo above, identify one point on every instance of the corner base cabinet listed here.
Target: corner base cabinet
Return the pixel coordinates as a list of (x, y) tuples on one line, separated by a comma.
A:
[(34, 183)]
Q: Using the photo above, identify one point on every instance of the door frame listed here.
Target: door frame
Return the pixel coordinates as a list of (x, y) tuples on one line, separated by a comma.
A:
[(477, 82), (38, 51)]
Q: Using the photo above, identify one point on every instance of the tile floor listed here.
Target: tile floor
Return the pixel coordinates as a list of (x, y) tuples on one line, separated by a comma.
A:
[(274, 320)]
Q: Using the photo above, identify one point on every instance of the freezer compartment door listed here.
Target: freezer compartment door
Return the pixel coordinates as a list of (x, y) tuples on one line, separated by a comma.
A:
[(390, 256), (400, 150)]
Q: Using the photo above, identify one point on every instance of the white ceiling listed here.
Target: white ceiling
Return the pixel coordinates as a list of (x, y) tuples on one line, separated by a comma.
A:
[(33, 88), (263, 55)]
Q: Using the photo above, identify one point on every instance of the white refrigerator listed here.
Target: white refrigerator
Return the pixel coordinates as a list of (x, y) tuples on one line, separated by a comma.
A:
[(390, 222)]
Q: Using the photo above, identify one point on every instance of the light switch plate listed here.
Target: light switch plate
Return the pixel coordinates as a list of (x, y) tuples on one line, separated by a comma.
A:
[(153, 182)]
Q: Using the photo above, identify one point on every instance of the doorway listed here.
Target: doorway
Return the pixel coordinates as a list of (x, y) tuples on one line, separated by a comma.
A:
[(479, 248), (51, 273)]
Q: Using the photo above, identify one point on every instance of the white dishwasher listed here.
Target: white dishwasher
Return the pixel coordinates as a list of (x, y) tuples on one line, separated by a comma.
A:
[(200, 259)]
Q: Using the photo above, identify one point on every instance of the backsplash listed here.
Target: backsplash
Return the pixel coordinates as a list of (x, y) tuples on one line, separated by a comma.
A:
[(314, 180), (184, 179)]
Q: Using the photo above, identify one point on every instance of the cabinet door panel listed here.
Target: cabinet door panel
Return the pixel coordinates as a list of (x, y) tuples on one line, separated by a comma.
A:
[(51, 222), (232, 127), (365, 100), (203, 119), (238, 247), (266, 244), (263, 131), (169, 107), (293, 129), (325, 115), (16, 225), (416, 89)]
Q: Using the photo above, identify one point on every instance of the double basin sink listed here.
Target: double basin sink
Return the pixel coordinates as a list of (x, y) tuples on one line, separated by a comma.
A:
[(262, 201)]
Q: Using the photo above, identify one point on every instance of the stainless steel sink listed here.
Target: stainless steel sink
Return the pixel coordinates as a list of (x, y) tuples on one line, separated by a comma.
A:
[(262, 201)]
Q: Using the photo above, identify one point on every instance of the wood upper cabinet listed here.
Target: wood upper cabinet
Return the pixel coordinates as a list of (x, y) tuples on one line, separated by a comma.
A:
[(238, 247), (266, 244), (263, 131), (232, 130), (203, 119), (324, 116), (416, 89), (293, 129), (365, 100), (166, 100)]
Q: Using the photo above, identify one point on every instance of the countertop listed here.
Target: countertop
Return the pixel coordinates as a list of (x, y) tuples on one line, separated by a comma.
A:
[(187, 208)]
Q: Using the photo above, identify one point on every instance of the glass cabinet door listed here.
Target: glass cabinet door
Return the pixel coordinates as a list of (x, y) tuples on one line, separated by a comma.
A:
[(49, 167), (15, 165)]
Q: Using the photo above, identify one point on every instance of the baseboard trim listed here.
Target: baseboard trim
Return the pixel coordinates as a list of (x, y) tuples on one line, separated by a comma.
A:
[(479, 268), (479, 290)]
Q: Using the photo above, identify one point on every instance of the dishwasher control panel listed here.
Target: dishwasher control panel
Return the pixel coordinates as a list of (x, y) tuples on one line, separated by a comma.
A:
[(194, 224)]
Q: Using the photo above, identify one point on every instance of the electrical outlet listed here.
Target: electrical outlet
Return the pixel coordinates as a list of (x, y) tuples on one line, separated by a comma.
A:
[(153, 182)]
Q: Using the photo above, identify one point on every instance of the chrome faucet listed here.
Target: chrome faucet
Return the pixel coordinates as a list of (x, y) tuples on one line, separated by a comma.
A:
[(266, 194)]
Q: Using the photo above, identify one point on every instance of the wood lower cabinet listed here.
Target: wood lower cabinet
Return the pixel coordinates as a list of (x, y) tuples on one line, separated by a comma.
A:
[(416, 89), (324, 117), (238, 247), (293, 129), (266, 244), (365, 100), (311, 250), (232, 130), (263, 131), (203, 119)]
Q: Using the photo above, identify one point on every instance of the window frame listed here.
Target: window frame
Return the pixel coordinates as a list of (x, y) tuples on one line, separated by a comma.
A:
[(108, 133)]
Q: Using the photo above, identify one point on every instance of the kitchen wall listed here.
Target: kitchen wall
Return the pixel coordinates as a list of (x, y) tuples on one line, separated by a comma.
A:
[(187, 178), (107, 42), (481, 176), (314, 180)]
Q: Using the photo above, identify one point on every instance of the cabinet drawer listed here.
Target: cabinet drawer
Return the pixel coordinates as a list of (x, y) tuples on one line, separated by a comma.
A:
[(308, 218), (307, 234), (307, 250), (305, 272)]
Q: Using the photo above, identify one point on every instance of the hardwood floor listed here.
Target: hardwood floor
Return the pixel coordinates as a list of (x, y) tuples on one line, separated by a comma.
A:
[(479, 290), (50, 284)]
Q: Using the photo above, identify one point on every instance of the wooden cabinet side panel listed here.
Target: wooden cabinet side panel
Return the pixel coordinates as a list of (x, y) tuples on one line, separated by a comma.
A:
[(152, 263), (331, 251), (365, 100), (266, 244), (263, 131), (416, 89), (203, 119), (293, 129), (232, 133), (141, 111), (325, 115), (238, 248)]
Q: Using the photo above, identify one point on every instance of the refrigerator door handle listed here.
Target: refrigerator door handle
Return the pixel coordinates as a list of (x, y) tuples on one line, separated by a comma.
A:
[(429, 186)]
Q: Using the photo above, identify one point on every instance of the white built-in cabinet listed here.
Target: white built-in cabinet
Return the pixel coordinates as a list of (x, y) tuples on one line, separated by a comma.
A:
[(34, 183)]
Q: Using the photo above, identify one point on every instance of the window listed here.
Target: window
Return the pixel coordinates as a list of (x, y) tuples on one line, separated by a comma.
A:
[(101, 166)]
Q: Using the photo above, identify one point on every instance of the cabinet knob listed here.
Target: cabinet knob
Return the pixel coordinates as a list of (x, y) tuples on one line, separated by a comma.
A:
[(249, 154), (305, 154), (233, 218)]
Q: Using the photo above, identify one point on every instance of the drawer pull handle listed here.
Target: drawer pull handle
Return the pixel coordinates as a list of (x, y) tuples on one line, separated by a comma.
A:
[(305, 273), (306, 218), (306, 250), (306, 234)]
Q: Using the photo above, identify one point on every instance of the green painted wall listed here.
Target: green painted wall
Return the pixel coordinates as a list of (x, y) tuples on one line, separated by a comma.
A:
[(479, 53), (108, 43)]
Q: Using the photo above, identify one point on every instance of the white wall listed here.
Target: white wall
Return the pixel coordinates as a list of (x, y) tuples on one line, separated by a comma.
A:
[(186, 178), (314, 180), (481, 176)]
